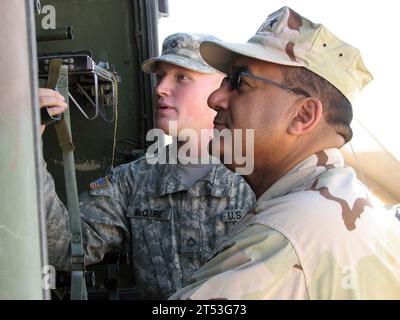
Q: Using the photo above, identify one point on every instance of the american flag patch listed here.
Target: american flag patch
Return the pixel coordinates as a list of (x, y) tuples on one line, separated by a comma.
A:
[(99, 183)]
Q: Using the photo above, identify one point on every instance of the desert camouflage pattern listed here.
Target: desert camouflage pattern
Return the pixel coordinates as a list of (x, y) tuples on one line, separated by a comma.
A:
[(288, 38), (314, 234), (169, 229), (181, 49)]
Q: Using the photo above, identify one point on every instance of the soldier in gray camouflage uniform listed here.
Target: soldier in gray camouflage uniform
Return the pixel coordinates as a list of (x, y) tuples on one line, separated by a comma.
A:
[(169, 216)]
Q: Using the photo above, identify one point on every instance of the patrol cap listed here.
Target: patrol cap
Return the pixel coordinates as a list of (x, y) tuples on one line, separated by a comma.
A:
[(182, 49), (289, 39)]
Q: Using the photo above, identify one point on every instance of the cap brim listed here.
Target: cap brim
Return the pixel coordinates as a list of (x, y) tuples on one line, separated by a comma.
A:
[(222, 55), (150, 65)]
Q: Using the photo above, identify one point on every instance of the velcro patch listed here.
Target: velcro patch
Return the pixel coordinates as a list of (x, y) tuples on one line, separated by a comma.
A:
[(190, 240), (232, 215), (99, 183)]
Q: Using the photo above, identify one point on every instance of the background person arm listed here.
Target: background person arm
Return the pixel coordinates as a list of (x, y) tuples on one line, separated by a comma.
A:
[(104, 226)]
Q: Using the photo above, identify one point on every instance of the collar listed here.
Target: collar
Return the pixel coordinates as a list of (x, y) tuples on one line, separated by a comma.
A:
[(304, 173), (218, 182)]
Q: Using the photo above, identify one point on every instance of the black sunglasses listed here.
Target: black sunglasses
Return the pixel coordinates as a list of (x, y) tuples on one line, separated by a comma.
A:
[(233, 81)]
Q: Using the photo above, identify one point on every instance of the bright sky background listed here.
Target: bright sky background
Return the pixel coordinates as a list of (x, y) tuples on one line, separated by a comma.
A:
[(371, 26)]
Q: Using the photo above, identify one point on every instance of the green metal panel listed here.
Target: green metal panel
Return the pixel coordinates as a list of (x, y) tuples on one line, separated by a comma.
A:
[(122, 32), (115, 31), (20, 249)]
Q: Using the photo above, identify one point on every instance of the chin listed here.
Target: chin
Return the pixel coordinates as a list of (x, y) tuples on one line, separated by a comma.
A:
[(161, 127), (164, 125)]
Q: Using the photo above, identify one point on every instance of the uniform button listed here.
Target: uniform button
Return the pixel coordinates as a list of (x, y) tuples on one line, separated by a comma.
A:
[(191, 242)]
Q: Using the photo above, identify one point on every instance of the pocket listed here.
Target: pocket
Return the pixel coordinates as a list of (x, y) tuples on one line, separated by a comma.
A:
[(152, 250), (219, 225), (159, 247)]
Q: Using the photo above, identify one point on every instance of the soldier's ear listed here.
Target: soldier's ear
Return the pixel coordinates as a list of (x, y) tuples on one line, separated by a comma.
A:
[(308, 115)]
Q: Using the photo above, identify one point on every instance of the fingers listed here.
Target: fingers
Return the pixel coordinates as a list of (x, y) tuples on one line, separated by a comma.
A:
[(50, 93), (44, 92), (51, 99), (53, 111), (46, 101)]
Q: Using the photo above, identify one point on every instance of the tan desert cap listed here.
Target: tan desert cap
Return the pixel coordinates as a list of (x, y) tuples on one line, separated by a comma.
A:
[(289, 39)]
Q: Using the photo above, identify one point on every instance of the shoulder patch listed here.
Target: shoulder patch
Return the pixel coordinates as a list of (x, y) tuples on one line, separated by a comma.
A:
[(100, 183)]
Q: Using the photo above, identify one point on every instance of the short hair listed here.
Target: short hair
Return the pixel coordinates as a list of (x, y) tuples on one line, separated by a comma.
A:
[(337, 109)]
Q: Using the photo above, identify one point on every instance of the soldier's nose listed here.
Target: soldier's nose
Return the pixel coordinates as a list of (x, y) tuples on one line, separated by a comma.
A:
[(163, 88), (219, 99)]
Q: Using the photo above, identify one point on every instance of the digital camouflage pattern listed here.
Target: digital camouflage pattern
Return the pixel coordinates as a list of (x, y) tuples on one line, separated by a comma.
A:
[(290, 39), (181, 49), (169, 229), (314, 234)]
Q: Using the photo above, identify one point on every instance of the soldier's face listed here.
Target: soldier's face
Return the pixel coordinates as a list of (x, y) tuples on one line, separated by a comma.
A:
[(253, 105), (181, 98)]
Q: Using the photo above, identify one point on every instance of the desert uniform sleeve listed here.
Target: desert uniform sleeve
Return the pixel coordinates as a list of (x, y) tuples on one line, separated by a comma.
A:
[(104, 226), (258, 263)]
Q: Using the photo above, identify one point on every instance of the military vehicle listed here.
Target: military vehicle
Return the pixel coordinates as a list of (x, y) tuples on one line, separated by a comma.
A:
[(92, 51)]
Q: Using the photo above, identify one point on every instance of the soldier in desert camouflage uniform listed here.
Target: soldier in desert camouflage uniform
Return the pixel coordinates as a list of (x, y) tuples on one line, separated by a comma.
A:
[(170, 216), (314, 232)]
